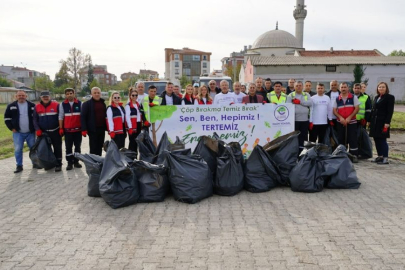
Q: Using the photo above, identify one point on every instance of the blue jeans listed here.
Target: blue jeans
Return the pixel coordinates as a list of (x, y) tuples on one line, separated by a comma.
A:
[(19, 139)]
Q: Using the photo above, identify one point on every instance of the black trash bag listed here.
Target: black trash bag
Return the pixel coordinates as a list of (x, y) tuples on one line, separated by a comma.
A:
[(284, 152), (207, 148), (129, 154), (146, 148), (190, 178), (261, 174), (338, 170), (364, 143), (41, 153), (94, 165), (163, 145), (177, 145), (331, 137), (153, 181), (307, 176), (118, 183), (229, 178)]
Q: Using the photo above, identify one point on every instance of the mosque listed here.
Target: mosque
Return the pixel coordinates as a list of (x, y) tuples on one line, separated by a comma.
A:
[(279, 55)]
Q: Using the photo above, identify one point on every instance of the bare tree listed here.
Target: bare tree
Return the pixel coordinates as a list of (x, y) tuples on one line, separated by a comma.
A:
[(76, 62)]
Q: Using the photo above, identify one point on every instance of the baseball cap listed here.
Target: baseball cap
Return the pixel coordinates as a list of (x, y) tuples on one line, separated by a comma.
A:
[(45, 93)]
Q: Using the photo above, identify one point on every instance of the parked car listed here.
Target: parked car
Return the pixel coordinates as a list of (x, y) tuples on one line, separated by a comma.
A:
[(87, 97)]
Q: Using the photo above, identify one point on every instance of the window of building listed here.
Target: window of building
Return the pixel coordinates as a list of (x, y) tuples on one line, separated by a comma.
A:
[(205, 71), (187, 71), (204, 64), (176, 64), (330, 68), (196, 58), (204, 57), (176, 57), (176, 71)]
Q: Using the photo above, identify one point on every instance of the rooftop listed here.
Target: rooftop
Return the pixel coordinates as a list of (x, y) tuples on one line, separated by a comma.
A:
[(332, 52), (276, 39)]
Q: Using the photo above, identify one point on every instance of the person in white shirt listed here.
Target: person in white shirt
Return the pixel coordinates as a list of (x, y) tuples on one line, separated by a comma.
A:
[(225, 97), (321, 111), (333, 94), (237, 92), (141, 92)]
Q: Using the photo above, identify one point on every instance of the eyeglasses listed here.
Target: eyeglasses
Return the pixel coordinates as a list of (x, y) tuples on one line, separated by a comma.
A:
[(116, 97), (134, 95)]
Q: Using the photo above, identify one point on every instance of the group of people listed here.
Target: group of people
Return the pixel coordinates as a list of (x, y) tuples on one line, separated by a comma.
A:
[(314, 112)]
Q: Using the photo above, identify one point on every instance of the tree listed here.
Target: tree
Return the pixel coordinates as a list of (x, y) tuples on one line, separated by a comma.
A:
[(184, 80), (397, 53), (63, 77), (358, 74), (5, 83), (90, 76), (75, 63), (230, 71), (43, 83)]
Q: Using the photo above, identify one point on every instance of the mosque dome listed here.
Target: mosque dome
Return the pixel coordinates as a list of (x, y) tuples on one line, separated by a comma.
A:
[(276, 39)]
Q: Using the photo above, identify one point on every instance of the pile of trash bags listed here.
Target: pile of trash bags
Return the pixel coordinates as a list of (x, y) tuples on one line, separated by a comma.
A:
[(124, 177)]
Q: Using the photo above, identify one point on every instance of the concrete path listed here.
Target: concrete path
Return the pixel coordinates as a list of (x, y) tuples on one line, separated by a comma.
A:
[(47, 221)]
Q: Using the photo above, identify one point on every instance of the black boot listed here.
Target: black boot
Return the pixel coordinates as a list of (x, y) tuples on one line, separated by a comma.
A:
[(18, 169), (69, 167), (77, 164)]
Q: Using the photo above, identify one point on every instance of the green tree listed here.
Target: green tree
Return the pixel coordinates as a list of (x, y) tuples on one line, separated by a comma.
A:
[(5, 83), (184, 80), (75, 62), (229, 71), (94, 83), (90, 77), (43, 83), (358, 74), (63, 77), (397, 53)]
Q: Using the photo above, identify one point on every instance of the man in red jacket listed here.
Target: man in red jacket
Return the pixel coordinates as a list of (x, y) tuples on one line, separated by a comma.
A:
[(70, 126)]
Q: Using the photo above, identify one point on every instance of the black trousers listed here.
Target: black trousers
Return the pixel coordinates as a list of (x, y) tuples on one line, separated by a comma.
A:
[(382, 146), (318, 132), (302, 126), (72, 138), (96, 141), (335, 126), (132, 138), (56, 140), (119, 140), (348, 137)]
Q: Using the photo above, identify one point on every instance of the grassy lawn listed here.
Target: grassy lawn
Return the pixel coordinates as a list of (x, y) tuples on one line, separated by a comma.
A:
[(398, 120)]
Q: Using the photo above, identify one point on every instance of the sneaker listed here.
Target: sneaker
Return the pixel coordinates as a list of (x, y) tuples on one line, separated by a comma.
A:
[(77, 165), (69, 167), (384, 161), (377, 159), (58, 168), (18, 169)]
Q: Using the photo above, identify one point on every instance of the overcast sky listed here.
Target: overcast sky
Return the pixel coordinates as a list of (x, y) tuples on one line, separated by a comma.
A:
[(125, 35)]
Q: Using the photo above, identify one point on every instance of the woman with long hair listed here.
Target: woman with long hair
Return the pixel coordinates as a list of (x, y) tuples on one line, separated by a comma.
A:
[(203, 97), (188, 98), (116, 120), (133, 119), (381, 115)]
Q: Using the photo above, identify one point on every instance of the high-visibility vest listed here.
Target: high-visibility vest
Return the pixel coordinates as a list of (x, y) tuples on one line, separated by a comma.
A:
[(71, 121), (362, 107), (305, 94), (272, 97), (135, 118), (48, 116), (145, 104), (119, 124), (345, 108)]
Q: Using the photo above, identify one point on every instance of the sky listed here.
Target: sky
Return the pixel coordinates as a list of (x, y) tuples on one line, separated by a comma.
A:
[(132, 35)]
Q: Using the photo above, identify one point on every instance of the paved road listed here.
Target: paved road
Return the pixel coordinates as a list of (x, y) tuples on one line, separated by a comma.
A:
[(399, 108), (47, 221)]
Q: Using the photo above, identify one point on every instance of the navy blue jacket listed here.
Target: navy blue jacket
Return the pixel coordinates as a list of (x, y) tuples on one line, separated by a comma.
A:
[(12, 116)]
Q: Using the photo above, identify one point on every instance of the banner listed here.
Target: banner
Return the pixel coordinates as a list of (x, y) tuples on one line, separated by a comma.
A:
[(249, 124)]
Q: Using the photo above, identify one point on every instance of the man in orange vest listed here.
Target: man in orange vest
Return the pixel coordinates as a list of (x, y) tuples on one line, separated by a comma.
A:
[(70, 126)]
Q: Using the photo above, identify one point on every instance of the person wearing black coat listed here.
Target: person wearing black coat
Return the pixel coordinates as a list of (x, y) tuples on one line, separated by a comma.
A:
[(93, 123), (381, 115)]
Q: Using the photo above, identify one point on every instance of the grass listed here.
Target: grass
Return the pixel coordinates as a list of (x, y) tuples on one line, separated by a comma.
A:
[(398, 121)]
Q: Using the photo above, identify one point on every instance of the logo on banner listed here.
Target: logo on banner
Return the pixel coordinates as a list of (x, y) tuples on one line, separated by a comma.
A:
[(281, 113)]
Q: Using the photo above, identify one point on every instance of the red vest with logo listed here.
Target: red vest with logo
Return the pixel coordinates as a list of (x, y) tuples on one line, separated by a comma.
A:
[(346, 108), (117, 119), (201, 102), (71, 121), (48, 116), (135, 118)]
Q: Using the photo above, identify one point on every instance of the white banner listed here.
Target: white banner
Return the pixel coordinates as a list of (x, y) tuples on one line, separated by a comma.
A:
[(249, 124)]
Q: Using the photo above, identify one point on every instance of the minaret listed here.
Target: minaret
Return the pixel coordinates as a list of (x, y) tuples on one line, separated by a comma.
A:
[(299, 14)]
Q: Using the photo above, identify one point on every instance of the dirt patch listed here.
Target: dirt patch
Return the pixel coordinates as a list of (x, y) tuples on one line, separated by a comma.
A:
[(397, 145)]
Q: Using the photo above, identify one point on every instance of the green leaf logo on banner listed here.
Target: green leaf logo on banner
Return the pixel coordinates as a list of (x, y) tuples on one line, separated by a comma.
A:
[(267, 124), (161, 112), (189, 127)]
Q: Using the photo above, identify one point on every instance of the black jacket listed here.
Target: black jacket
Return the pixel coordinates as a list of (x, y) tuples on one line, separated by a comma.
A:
[(381, 114), (12, 116), (176, 99), (88, 117)]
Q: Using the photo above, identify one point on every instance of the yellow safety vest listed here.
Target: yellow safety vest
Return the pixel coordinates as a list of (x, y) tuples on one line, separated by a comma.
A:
[(305, 94), (362, 108), (272, 97), (145, 104)]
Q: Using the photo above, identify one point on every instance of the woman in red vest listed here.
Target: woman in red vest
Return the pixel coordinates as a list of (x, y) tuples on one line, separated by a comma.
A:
[(381, 115), (203, 97), (188, 98), (133, 119), (116, 120)]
